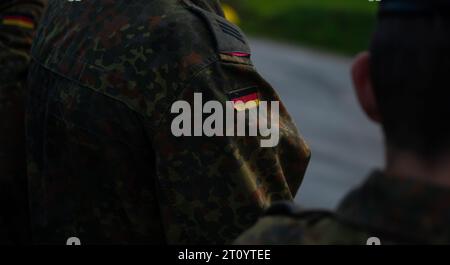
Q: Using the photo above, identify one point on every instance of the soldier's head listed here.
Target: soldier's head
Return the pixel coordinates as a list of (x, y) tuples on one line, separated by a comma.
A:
[(403, 81)]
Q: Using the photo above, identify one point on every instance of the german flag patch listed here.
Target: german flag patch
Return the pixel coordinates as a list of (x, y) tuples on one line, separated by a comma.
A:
[(244, 99), (18, 21)]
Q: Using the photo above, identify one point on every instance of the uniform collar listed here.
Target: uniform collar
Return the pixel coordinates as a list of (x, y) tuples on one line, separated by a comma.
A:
[(403, 207)]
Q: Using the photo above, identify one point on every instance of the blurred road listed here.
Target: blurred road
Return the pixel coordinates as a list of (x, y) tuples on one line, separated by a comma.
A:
[(316, 89)]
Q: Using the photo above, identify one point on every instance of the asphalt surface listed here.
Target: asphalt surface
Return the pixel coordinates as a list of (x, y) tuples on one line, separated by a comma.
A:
[(317, 90)]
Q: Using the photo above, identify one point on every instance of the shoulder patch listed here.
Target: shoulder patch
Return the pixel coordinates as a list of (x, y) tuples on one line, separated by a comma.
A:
[(230, 39)]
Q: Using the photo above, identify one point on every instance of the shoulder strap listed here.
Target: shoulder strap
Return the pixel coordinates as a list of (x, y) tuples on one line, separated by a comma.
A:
[(229, 38)]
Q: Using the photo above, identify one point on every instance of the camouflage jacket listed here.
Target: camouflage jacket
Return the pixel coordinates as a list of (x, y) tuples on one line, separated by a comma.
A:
[(104, 165), (18, 21), (393, 210)]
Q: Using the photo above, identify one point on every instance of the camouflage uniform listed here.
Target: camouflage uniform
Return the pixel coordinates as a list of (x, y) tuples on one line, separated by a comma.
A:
[(18, 20), (395, 210), (103, 163)]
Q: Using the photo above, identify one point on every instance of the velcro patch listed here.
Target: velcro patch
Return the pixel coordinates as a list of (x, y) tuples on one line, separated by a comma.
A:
[(236, 57)]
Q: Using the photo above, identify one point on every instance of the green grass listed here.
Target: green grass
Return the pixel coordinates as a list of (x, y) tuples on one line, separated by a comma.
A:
[(343, 26)]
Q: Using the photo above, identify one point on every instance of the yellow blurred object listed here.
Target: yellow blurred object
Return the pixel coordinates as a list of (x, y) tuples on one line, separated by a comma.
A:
[(231, 14)]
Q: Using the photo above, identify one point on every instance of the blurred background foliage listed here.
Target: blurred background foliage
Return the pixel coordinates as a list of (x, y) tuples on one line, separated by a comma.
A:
[(342, 26)]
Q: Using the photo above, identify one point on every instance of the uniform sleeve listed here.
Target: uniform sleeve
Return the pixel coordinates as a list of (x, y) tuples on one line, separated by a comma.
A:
[(18, 22), (214, 188)]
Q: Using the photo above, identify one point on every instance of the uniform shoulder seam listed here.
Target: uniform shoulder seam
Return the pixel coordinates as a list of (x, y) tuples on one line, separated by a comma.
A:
[(207, 63)]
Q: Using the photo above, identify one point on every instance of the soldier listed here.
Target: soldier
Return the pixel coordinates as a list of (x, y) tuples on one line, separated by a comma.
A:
[(18, 21), (401, 83), (104, 164)]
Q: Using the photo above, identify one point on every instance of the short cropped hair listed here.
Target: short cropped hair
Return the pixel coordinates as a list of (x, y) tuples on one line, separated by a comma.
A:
[(410, 70)]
